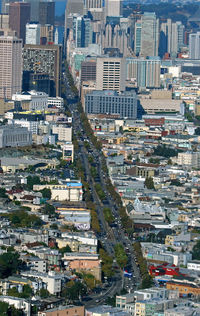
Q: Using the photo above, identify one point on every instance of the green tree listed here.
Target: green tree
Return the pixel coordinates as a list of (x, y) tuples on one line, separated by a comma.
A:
[(89, 280), (106, 262), (196, 251), (27, 291), (46, 193), (48, 209), (74, 289), (149, 184), (176, 182), (43, 293), (154, 160), (147, 281), (165, 151), (31, 181), (3, 193), (94, 221), (197, 131), (120, 255), (9, 264), (7, 310), (169, 162), (13, 292), (108, 215), (54, 226), (65, 249), (21, 218)]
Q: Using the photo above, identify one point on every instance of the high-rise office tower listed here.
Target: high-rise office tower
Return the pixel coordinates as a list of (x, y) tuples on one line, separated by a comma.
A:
[(180, 34), (171, 37), (146, 72), (46, 34), (113, 7), (194, 45), (33, 33), (19, 16), (34, 10), (149, 34), (47, 12), (44, 60), (10, 66), (110, 74), (82, 31), (93, 4), (114, 37), (42, 11), (95, 7), (5, 5), (137, 42), (88, 70), (72, 7), (4, 21)]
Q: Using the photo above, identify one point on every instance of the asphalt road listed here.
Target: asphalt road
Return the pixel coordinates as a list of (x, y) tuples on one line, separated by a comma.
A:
[(109, 236)]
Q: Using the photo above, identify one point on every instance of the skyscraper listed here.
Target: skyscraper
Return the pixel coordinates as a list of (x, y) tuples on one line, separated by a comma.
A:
[(5, 5), (33, 33), (113, 7), (146, 72), (137, 42), (44, 60), (149, 34), (82, 31), (95, 7), (110, 74), (4, 21), (194, 45), (19, 16), (171, 37), (72, 7), (34, 17), (46, 34), (47, 12), (10, 66)]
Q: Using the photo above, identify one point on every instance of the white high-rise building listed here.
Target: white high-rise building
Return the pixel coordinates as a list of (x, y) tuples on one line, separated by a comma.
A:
[(33, 33), (194, 45), (113, 7), (10, 66)]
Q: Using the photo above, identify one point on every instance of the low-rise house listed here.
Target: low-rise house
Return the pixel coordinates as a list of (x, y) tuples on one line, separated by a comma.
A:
[(18, 303), (185, 289), (151, 307), (35, 263), (53, 281), (51, 256), (193, 265), (160, 253), (105, 310), (83, 262), (69, 310)]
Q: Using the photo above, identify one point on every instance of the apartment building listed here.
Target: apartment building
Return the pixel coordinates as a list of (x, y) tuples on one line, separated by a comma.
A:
[(110, 74)]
